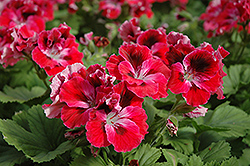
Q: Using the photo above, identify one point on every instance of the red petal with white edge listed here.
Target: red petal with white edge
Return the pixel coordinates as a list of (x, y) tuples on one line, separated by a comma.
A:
[(96, 134), (77, 92), (74, 117), (196, 96), (124, 135), (135, 54), (177, 83), (54, 110), (202, 64), (112, 66), (175, 37)]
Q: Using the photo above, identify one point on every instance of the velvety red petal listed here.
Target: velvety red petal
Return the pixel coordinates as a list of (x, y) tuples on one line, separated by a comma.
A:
[(135, 54), (177, 83), (150, 37), (202, 64), (210, 85), (112, 66), (128, 73), (196, 96), (137, 115), (147, 88), (77, 92), (74, 117), (124, 136), (96, 133), (41, 59), (127, 98)]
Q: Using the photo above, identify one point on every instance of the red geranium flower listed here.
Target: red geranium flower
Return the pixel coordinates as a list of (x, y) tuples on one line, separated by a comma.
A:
[(151, 37), (123, 129), (111, 8), (129, 30), (56, 50), (144, 75), (76, 91), (196, 78)]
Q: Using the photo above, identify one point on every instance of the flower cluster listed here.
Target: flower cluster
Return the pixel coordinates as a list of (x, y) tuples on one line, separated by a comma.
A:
[(222, 16), (196, 73), (149, 63), (112, 8), (112, 114), (23, 34)]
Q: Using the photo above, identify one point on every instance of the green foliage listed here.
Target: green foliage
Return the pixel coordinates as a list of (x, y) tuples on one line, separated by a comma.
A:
[(216, 151), (20, 94), (38, 137), (146, 155)]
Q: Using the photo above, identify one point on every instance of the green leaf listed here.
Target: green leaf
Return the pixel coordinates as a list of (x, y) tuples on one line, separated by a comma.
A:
[(194, 160), (246, 140), (244, 160), (146, 155), (183, 142), (173, 157), (232, 80), (230, 162), (9, 155), (229, 117), (24, 74), (216, 151), (88, 161), (44, 139), (20, 94), (150, 110), (245, 79), (202, 128)]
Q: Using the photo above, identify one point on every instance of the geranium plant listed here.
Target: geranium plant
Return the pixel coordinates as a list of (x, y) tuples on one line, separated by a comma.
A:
[(124, 82)]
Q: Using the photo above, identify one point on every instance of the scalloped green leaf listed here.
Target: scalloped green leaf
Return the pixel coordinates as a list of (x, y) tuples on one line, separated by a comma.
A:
[(183, 142), (194, 160), (173, 157), (218, 151), (230, 162), (88, 161), (146, 155), (229, 117), (244, 160), (20, 94), (9, 155), (42, 140)]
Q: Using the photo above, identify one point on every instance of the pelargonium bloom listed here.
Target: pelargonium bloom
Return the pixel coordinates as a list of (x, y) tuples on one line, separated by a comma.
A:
[(140, 7), (151, 37), (111, 8), (56, 50), (77, 90), (18, 11), (223, 16), (143, 74), (196, 78), (129, 30), (123, 129), (26, 35)]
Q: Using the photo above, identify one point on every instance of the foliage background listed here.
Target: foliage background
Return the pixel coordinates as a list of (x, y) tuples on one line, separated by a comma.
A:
[(222, 137)]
